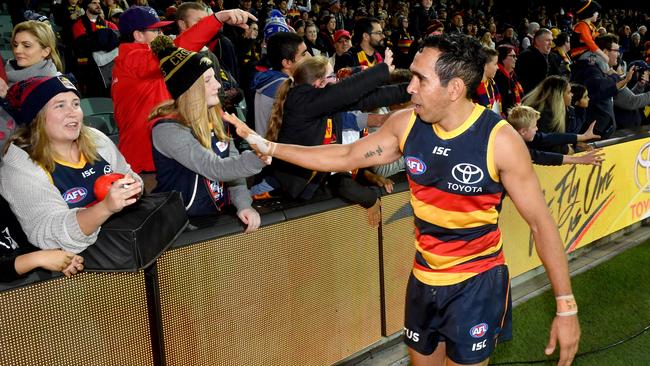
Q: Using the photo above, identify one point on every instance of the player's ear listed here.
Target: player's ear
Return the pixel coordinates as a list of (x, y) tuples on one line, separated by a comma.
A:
[(456, 89)]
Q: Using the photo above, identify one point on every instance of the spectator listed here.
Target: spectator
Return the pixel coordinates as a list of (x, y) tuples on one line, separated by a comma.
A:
[(17, 257), (636, 49), (49, 181), (283, 50), (487, 93), (486, 40), (579, 102), (506, 79), (35, 54), (342, 44), (508, 37), (93, 38), (562, 55), (138, 85), (602, 86), (456, 24), (629, 102), (326, 35), (65, 15), (191, 143), (402, 41), (422, 14), (534, 64), (527, 41), (584, 46), (367, 38), (551, 98), (315, 45), (524, 120), (305, 113)]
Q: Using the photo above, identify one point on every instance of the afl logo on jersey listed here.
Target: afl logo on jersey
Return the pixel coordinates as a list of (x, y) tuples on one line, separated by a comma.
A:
[(478, 330), (467, 173), (415, 165), (74, 195)]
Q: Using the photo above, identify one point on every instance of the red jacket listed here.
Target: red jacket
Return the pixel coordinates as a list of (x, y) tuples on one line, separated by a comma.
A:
[(138, 87)]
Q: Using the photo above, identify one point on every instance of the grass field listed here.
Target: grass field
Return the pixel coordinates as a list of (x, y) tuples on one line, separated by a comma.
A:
[(614, 304)]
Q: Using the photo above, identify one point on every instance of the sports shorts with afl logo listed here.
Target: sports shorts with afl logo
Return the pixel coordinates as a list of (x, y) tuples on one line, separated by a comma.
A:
[(470, 317)]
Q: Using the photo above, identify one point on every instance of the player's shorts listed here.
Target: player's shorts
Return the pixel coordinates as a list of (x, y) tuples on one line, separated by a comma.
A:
[(470, 317)]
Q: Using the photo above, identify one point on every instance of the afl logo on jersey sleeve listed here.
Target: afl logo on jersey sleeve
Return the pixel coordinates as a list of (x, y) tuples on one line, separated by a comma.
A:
[(74, 195), (415, 165), (478, 330), (467, 173)]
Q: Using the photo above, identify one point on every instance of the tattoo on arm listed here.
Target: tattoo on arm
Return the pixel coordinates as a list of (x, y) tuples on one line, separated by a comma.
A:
[(374, 152)]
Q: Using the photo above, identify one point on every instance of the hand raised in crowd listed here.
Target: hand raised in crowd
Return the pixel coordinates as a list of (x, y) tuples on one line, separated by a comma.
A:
[(123, 192), (236, 17), (250, 218), (589, 134), (388, 59), (75, 266)]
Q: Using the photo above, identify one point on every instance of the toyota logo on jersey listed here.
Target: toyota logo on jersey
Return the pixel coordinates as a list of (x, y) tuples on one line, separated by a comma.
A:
[(74, 195), (467, 173), (415, 165)]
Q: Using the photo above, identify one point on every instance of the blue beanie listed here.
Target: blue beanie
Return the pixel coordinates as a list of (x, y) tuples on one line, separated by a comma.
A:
[(275, 23)]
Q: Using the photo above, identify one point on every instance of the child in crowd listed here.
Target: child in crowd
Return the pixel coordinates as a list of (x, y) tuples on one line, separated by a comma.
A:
[(18, 258), (579, 104), (524, 120), (192, 150)]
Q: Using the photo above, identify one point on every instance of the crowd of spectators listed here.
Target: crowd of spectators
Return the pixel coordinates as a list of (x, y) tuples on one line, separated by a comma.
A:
[(255, 56)]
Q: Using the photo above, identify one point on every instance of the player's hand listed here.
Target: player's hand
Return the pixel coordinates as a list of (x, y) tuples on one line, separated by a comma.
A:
[(261, 145), (236, 17), (251, 218), (566, 331)]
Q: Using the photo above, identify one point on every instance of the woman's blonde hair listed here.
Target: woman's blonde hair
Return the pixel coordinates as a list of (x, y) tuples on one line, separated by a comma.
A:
[(45, 37), (33, 139), (305, 71), (549, 95), (192, 111)]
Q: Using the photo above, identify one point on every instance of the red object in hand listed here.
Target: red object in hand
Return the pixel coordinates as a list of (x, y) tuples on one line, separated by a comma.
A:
[(104, 183)]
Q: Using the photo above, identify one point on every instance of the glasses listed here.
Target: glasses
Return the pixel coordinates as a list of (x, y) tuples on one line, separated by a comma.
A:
[(331, 76), (514, 57), (381, 33), (615, 50)]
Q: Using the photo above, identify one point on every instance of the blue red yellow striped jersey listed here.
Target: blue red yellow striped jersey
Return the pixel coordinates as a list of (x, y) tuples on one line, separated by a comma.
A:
[(456, 197)]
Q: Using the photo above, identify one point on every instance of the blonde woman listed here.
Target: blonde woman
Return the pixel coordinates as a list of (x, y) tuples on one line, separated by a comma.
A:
[(192, 149)]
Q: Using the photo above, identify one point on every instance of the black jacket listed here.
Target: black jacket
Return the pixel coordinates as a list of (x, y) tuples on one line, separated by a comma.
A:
[(544, 141), (307, 109), (532, 67), (602, 88)]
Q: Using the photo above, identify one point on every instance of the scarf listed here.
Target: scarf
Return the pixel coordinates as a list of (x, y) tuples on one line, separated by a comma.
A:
[(16, 73)]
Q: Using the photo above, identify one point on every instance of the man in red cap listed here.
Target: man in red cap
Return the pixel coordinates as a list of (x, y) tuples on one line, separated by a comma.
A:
[(342, 43), (138, 85)]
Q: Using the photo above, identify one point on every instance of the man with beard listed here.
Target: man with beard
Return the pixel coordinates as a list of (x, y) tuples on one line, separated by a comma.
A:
[(368, 39), (91, 33)]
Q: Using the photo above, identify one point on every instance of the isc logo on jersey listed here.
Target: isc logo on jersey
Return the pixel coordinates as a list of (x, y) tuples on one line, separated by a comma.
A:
[(415, 165), (74, 195), (478, 330)]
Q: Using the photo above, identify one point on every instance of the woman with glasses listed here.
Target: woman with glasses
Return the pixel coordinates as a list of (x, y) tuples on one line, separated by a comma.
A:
[(505, 78), (308, 111)]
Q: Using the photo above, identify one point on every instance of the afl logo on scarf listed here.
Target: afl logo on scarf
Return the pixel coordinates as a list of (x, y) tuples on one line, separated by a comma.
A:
[(478, 330), (415, 165), (74, 195)]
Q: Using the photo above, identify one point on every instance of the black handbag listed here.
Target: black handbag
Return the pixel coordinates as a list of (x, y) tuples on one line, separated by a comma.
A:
[(135, 237)]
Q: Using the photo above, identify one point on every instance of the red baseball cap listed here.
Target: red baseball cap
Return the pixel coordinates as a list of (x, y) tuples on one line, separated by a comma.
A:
[(341, 33)]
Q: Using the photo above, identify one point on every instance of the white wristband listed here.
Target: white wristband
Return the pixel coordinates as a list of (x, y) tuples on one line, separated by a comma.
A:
[(564, 297), (262, 145), (567, 313)]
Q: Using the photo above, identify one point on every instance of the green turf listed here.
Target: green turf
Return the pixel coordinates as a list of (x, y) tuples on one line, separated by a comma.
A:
[(614, 303)]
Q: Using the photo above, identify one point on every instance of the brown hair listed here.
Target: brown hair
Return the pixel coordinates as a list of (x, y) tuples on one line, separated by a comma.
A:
[(305, 71)]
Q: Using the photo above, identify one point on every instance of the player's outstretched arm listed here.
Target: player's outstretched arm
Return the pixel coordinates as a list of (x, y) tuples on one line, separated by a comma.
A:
[(380, 147), (520, 181)]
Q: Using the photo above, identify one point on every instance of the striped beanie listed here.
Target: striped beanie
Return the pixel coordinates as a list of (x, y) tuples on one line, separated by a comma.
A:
[(180, 67), (27, 97)]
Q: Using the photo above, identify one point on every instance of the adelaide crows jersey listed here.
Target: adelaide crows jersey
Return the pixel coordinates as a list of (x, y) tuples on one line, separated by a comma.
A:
[(76, 181), (456, 197)]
